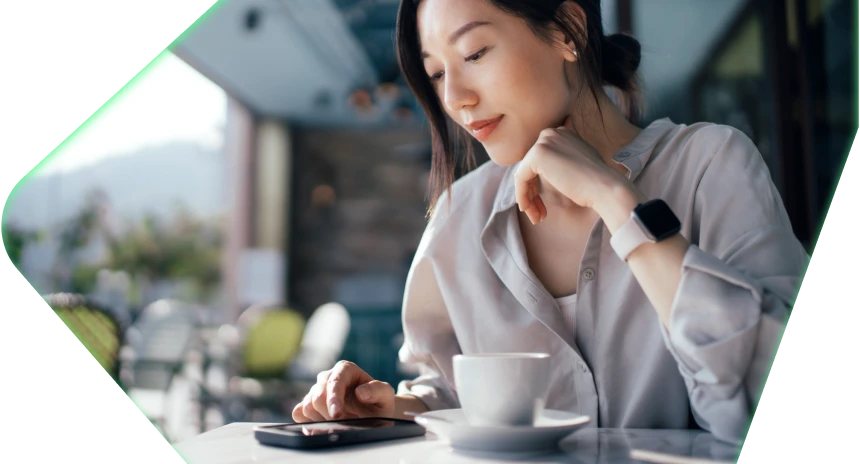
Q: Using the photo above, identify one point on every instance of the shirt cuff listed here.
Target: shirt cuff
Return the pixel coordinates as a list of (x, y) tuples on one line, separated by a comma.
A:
[(434, 397), (715, 307)]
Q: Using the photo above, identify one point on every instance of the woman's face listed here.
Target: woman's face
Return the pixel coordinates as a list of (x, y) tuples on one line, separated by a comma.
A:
[(493, 75)]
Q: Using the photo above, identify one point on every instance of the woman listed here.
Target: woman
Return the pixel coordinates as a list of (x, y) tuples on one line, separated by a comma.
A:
[(651, 324)]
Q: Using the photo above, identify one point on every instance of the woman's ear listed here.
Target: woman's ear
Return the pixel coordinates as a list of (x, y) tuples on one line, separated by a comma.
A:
[(572, 15), (565, 44), (569, 51)]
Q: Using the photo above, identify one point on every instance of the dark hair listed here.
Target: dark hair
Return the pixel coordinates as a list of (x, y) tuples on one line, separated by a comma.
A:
[(611, 60)]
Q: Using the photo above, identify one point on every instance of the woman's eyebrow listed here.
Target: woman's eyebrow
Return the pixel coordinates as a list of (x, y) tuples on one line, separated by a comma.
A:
[(460, 33)]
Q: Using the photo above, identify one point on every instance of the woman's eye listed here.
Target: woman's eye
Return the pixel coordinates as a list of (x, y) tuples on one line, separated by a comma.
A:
[(477, 56), (473, 58)]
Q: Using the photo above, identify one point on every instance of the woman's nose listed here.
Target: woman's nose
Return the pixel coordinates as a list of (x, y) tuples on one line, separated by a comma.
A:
[(458, 94)]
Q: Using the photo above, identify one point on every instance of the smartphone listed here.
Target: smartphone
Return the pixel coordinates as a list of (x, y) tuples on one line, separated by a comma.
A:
[(326, 434)]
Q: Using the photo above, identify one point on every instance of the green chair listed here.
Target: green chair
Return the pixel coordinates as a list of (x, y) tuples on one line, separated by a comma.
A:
[(270, 337), (94, 326)]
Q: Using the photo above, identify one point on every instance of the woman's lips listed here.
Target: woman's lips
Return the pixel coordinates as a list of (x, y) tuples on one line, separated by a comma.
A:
[(483, 129)]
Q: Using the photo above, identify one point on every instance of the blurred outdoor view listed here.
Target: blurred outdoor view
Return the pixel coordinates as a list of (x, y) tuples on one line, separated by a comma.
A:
[(136, 200), (244, 214)]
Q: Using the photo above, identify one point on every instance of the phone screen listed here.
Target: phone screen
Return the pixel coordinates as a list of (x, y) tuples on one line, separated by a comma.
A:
[(322, 428)]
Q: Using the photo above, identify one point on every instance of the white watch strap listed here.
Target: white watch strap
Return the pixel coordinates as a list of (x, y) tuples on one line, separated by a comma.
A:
[(628, 237)]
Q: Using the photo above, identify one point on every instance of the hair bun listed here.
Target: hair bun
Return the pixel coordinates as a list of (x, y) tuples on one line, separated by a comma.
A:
[(621, 55), (629, 45)]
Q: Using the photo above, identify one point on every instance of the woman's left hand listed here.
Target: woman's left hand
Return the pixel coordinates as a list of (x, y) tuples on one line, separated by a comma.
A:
[(561, 159)]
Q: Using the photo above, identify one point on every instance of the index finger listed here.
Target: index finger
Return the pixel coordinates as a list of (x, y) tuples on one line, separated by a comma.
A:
[(522, 177), (344, 375)]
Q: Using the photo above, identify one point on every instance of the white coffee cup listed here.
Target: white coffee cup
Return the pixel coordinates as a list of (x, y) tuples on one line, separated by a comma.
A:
[(503, 389)]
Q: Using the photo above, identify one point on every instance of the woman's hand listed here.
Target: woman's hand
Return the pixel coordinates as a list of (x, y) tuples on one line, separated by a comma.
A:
[(345, 392), (561, 160)]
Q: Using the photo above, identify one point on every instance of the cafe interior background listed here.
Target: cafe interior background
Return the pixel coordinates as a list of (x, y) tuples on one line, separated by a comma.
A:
[(245, 212)]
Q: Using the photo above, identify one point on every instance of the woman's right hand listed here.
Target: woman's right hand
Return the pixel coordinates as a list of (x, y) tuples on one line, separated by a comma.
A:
[(345, 392)]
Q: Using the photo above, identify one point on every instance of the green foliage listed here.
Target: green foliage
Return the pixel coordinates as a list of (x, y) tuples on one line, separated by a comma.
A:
[(14, 240), (83, 279), (183, 249)]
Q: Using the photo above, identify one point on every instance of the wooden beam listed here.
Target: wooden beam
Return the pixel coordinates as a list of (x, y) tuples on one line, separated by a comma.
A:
[(624, 16), (789, 110)]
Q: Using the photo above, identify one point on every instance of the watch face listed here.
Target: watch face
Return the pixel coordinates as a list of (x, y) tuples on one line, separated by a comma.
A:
[(658, 219)]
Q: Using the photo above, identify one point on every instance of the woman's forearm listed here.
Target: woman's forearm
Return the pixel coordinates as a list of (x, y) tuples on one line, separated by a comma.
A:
[(656, 266)]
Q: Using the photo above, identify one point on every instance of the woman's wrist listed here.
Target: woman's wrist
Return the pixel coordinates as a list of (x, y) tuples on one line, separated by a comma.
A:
[(616, 202), (408, 403)]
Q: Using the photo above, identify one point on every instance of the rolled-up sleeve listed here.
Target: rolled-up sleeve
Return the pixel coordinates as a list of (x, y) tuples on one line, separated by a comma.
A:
[(739, 280), (429, 339)]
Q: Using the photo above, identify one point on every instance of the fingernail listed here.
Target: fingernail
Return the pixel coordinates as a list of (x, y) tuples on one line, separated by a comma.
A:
[(362, 393), (334, 409)]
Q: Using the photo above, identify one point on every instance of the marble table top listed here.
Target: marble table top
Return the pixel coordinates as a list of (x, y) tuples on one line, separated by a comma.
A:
[(235, 444)]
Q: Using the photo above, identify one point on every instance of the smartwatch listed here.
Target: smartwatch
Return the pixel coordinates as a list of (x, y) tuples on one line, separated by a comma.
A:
[(650, 222)]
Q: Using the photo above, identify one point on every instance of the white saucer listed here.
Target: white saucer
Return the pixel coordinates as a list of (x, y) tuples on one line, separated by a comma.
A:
[(549, 429)]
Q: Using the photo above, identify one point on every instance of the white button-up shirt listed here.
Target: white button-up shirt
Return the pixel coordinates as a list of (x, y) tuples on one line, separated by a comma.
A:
[(470, 290)]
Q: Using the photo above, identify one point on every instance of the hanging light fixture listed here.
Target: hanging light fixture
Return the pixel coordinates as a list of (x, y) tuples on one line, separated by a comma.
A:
[(252, 18)]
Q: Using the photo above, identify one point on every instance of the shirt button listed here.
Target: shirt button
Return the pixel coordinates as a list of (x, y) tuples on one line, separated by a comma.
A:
[(588, 274), (582, 367)]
